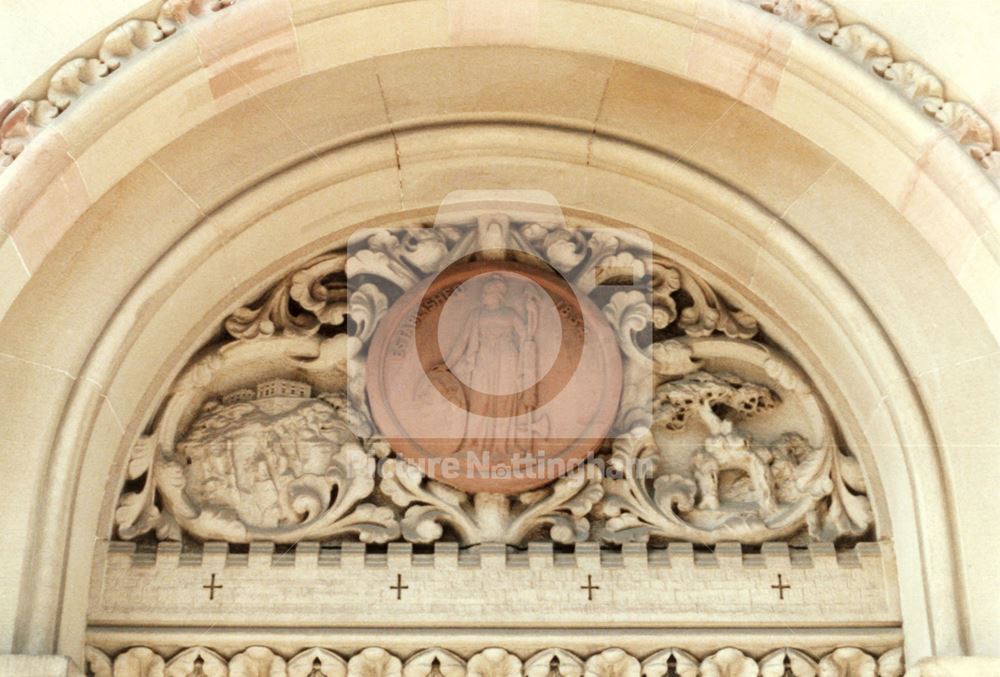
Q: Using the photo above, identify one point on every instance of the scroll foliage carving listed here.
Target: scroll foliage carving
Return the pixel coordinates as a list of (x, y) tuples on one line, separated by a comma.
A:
[(265, 463), (322, 301), (493, 662), (722, 483), (561, 507), (21, 122), (678, 461), (913, 80), (266, 437)]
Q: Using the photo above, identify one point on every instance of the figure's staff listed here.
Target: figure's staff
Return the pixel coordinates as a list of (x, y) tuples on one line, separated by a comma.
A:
[(536, 422), (529, 352)]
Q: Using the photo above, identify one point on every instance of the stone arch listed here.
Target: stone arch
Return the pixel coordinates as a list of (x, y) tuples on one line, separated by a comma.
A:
[(217, 224)]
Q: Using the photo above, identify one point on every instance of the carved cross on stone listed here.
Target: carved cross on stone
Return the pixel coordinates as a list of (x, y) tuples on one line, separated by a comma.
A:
[(399, 587), (781, 587), (212, 587), (590, 587)]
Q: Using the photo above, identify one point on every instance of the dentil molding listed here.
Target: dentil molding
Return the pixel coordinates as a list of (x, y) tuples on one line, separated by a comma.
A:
[(21, 121), (491, 585)]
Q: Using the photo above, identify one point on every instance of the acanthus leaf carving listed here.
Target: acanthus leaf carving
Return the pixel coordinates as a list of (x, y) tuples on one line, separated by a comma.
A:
[(864, 46), (17, 127), (494, 662), (324, 303), (660, 663), (374, 662), (728, 662), (434, 663), (257, 661), (847, 662), (97, 662), (552, 662), (197, 662), (917, 84), (891, 663), (699, 475), (139, 662), (612, 663), (564, 248), (629, 314), (666, 280), (316, 661), (709, 314), (914, 81), (813, 16), (128, 39), (20, 123), (400, 260), (261, 661), (175, 13), (70, 79), (967, 127), (785, 662), (492, 518)]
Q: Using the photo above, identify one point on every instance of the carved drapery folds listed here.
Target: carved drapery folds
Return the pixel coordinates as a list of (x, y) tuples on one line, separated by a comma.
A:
[(493, 662), (267, 435)]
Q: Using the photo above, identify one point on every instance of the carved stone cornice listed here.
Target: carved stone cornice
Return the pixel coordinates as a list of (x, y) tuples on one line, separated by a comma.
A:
[(22, 120), (494, 661)]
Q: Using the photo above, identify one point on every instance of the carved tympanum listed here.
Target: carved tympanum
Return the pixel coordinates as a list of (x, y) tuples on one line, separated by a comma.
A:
[(269, 434)]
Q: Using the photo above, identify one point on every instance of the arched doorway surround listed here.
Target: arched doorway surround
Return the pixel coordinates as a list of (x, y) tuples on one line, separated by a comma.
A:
[(207, 166)]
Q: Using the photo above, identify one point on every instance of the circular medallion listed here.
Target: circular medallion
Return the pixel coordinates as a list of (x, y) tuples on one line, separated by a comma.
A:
[(494, 377)]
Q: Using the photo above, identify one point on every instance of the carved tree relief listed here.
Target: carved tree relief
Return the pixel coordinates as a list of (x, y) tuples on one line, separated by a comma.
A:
[(268, 434)]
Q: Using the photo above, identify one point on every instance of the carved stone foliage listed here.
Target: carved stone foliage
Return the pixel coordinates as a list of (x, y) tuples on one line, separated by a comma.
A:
[(271, 462), (260, 661), (21, 122), (267, 435), (913, 80), (717, 465)]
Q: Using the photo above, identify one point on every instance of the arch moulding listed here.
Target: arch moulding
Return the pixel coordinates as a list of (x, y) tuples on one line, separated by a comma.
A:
[(809, 194)]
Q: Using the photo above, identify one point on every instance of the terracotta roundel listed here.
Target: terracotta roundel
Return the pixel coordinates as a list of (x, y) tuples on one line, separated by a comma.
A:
[(494, 377)]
